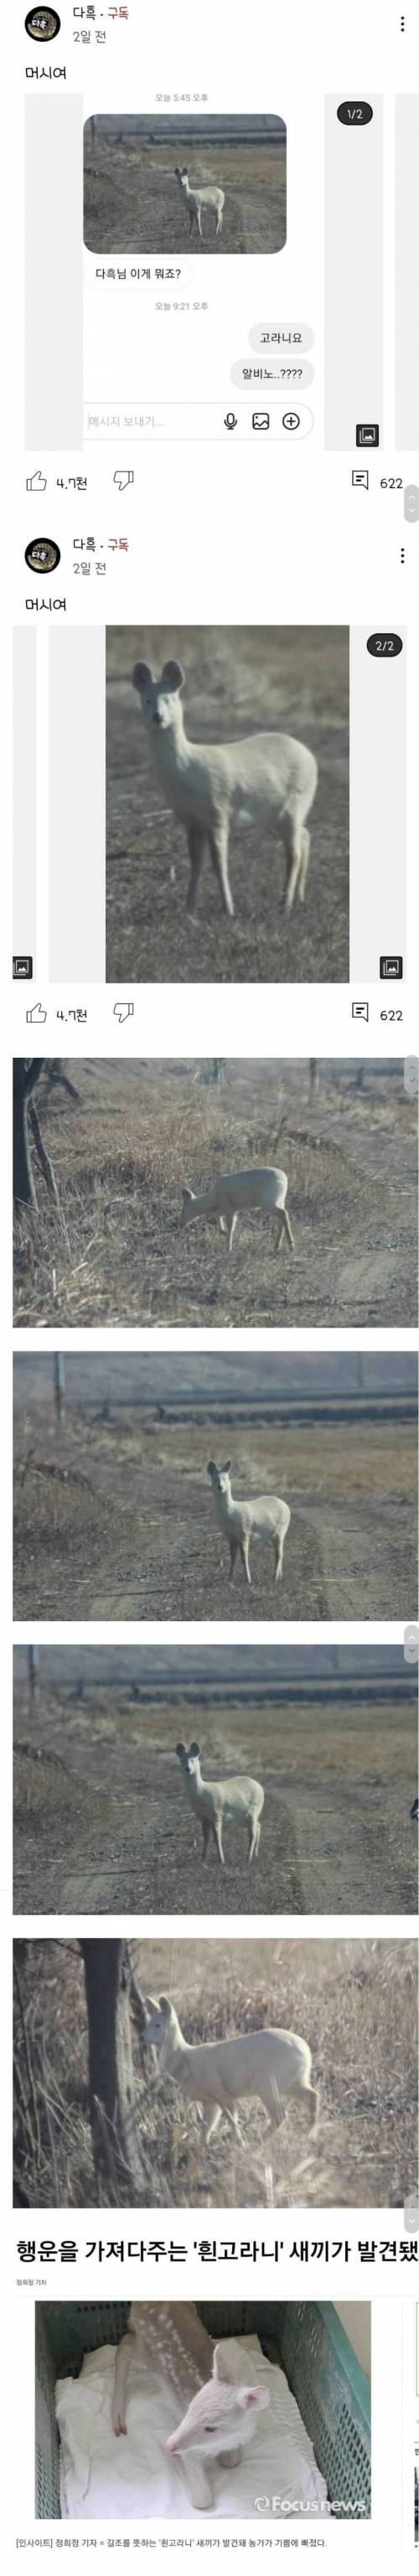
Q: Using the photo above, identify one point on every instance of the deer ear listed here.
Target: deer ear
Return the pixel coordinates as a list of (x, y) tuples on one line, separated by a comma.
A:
[(256, 2397), (173, 676), (165, 2007), (141, 674), (195, 1748), (180, 1749), (151, 2004), (220, 2367), (212, 1470), (225, 1470)]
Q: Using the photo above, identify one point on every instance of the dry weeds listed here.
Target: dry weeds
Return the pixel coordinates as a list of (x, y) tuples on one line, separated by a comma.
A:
[(355, 2002)]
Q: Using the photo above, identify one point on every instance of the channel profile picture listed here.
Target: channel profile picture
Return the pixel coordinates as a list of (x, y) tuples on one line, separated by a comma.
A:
[(42, 25)]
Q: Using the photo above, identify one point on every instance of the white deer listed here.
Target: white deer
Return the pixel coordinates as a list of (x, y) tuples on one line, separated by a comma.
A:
[(167, 2338), (269, 2065), (266, 779), (265, 1187), (265, 1518), (238, 1800), (197, 199)]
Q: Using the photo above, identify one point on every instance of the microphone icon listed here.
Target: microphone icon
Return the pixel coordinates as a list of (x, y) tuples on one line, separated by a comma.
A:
[(230, 420)]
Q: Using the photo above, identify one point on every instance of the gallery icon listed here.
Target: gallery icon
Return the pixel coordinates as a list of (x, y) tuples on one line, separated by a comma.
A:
[(22, 970), (42, 25), (367, 433), (260, 420), (391, 970), (42, 555)]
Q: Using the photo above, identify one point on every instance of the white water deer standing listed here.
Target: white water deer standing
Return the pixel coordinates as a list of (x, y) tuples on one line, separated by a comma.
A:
[(214, 1801), (265, 1517), (268, 779), (200, 201), (219, 2413), (265, 1187), (269, 2065)]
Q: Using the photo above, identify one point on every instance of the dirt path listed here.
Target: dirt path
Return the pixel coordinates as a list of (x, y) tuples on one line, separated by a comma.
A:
[(193, 1583)]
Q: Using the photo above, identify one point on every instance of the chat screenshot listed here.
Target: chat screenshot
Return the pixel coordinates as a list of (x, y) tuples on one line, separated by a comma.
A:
[(209, 1029)]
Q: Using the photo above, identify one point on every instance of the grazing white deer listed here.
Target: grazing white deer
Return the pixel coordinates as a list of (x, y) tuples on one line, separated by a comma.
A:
[(271, 2065), (238, 1800), (168, 2338), (265, 1187), (266, 779), (198, 199), (265, 1518)]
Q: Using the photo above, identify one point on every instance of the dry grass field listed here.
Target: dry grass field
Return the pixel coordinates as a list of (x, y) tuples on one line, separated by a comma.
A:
[(132, 200), (353, 2000), (102, 1824), (238, 681), (113, 1252), (114, 1516)]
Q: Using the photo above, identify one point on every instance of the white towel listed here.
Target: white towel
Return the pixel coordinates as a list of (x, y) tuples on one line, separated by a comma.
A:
[(128, 2479)]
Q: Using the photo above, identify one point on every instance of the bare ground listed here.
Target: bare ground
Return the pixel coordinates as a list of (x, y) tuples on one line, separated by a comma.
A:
[(102, 1824), (117, 1520), (132, 200), (238, 680), (354, 2001), (113, 1252)]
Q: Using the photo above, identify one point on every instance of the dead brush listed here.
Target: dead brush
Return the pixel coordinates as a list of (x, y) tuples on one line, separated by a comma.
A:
[(356, 1999)]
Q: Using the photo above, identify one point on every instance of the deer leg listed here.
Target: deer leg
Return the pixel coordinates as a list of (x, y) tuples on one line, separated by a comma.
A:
[(233, 1223), (312, 2098), (293, 845), (206, 1829), (233, 1554), (198, 2484), (244, 1552), (314, 2105), (216, 1830), (305, 837), (212, 2122), (198, 218), (223, 1225), (196, 847), (288, 1230), (218, 841), (280, 1230), (119, 2400), (279, 1551)]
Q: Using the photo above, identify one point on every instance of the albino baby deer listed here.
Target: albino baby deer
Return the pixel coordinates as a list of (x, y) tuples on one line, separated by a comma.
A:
[(167, 2338), (267, 779), (196, 199), (265, 1187), (219, 2073), (240, 1800), (265, 1517)]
